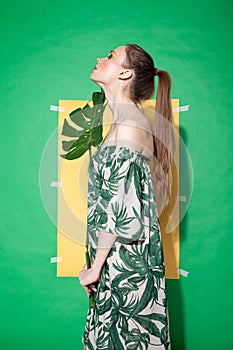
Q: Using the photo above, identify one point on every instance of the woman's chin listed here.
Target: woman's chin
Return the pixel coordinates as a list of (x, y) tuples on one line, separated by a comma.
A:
[(95, 80), (92, 76)]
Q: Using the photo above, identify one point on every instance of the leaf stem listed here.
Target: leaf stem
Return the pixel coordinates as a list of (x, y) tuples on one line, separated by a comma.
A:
[(90, 152)]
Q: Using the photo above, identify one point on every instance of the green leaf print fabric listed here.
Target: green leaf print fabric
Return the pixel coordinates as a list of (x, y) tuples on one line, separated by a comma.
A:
[(130, 305)]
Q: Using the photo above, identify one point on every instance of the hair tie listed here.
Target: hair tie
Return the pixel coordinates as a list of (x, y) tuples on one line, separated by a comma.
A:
[(156, 71)]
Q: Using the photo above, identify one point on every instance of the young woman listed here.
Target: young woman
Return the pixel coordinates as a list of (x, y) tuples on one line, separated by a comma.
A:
[(127, 275)]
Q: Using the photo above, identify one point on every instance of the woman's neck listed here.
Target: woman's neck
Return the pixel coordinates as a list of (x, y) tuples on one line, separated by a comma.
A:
[(123, 111), (121, 105)]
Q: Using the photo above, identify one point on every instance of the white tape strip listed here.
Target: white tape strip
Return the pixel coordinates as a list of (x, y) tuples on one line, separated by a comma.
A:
[(56, 184), (181, 108), (57, 108), (183, 272), (55, 259), (181, 198)]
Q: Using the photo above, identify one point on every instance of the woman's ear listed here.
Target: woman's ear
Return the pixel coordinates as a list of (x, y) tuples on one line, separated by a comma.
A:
[(125, 74)]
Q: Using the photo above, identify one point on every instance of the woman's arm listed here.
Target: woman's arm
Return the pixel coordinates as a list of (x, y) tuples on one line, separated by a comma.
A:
[(92, 275)]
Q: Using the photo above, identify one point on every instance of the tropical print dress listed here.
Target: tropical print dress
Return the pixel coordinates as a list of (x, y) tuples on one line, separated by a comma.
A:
[(130, 305)]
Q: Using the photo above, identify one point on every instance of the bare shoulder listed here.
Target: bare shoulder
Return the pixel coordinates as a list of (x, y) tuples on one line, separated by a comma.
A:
[(130, 132), (134, 127), (135, 134)]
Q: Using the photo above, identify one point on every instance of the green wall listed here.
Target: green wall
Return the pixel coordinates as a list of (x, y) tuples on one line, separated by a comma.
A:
[(48, 49)]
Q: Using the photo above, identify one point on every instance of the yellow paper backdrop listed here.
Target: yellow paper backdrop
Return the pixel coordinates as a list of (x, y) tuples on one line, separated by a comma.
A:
[(72, 202)]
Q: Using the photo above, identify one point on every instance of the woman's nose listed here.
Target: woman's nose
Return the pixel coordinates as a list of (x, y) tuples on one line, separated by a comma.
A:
[(99, 60)]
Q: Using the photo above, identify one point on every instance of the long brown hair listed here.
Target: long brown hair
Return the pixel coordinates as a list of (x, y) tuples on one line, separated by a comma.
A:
[(142, 88)]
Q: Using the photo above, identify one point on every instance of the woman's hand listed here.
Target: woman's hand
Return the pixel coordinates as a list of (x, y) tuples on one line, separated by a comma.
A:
[(88, 289), (87, 278)]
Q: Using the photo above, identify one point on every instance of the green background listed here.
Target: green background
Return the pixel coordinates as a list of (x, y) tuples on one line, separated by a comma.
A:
[(48, 49)]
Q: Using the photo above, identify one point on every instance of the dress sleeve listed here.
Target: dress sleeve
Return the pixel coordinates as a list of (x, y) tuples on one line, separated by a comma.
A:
[(119, 208)]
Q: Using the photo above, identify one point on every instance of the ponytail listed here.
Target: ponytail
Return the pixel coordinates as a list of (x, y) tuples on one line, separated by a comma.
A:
[(164, 137)]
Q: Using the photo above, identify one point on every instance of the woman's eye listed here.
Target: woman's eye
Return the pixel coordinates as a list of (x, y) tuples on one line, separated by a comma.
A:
[(109, 55)]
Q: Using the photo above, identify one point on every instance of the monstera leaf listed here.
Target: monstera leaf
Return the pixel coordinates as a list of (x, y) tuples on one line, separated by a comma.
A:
[(87, 129)]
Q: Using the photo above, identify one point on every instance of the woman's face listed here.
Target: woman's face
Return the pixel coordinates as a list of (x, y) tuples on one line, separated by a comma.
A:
[(109, 68)]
